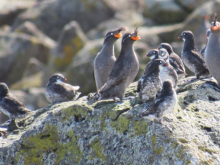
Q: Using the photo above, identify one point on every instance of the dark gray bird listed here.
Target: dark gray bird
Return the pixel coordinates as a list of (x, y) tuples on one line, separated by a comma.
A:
[(167, 71), (212, 53), (10, 106), (58, 91), (164, 104), (150, 84), (174, 60), (124, 70), (152, 54), (208, 33), (105, 59), (191, 57)]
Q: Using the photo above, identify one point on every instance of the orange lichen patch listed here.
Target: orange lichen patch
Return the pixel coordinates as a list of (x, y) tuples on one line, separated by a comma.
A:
[(119, 35), (135, 38)]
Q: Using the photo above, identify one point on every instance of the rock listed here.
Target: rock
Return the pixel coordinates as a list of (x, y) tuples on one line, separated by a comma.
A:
[(164, 12), (33, 99), (30, 29), (71, 40), (129, 19), (10, 9), (57, 13), (190, 5), (153, 36), (16, 50), (107, 132)]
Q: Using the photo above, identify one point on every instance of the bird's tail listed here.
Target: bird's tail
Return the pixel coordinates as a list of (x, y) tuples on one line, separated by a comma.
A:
[(76, 87)]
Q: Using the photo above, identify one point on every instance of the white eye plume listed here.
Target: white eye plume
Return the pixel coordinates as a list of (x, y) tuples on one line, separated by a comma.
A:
[(129, 35), (111, 33)]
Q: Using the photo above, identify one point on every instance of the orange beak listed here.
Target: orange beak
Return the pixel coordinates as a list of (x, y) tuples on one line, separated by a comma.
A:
[(135, 38), (214, 28), (119, 35)]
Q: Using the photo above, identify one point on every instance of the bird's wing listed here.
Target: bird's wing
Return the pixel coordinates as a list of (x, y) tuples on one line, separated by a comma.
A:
[(198, 56), (140, 82), (198, 59), (66, 90), (11, 104), (116, 76), (176, 61)]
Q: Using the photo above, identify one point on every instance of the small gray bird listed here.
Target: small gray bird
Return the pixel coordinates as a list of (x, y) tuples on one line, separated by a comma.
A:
[(58, 91), (167, 71), (212, 53), (164, 104), (174, 60), (191, 57), (208, 33), (10, 106), (152, 54), (124, 70), (150, 84), (105, 59)]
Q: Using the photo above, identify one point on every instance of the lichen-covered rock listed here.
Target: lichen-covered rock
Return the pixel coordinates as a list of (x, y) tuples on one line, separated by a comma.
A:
[(107, 132), (71, 40)]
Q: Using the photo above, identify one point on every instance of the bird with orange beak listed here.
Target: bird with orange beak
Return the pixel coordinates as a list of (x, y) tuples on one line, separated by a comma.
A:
[(212, 52), (124, 70), (105, 59)]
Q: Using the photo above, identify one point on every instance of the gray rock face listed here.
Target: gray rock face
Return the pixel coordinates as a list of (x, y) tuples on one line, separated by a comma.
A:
[(16, 50), (10, 9), (71, 40), (105, 132), (163, 12), (57, 13)]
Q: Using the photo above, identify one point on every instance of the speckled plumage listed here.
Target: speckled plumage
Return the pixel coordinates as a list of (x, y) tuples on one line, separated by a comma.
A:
[(164, 104), (174, 59), (152, 54), (150, 84), (58, 91), (105, 59), (9, 105), (167, 71), (124, 70), (191, 57)]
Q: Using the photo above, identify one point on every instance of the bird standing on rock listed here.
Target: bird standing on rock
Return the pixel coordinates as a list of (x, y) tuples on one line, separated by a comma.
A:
[(212, 52), (191, 57), (150, 84), (58, 91), (10, 106), (174, 60), (105, 59), (164, 103), (124, 70), (152, 54), (167, 72)]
